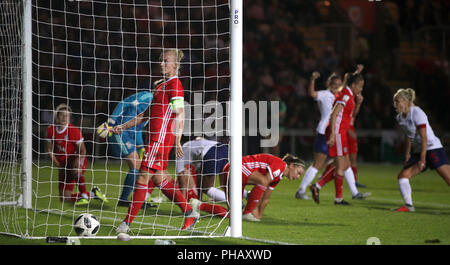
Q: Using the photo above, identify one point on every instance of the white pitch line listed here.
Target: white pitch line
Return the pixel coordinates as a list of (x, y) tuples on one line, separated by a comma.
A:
[(374, 198), (56, 211)]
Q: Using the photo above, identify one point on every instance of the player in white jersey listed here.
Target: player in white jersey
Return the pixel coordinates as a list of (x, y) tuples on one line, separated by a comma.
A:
[(210, 157), (325, 99), (423, 150)]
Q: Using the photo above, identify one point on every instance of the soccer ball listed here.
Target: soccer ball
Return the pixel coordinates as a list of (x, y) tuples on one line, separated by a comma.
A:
[(104, 130), (86, 224)]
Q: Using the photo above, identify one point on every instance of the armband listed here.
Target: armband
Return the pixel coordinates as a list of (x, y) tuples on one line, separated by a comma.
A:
[(141, 151)]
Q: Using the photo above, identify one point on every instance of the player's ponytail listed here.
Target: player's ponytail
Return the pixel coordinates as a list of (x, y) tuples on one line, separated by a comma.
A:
[(291, 159), (351, 78)]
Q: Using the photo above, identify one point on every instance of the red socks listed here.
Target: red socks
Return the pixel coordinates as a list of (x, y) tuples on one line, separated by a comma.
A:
[(338, 184), (214, 209), (82, 185), (327, 176), (138, 199), (175, 195)]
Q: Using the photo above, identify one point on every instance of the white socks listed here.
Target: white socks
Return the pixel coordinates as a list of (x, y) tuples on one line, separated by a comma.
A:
[(216, 195), (405, 190), (310, 174), (350, 178)]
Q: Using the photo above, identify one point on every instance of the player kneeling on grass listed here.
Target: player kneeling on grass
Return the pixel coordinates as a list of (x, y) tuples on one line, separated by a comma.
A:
[(423, 148), (264, 172), (68, 152)]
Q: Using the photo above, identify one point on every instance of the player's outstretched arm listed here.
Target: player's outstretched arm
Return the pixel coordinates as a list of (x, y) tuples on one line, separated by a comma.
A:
[(359, 68), (131, 123), (359, 100)]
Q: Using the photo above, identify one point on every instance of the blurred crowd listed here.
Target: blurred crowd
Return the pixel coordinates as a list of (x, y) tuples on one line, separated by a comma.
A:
[(278, 58)]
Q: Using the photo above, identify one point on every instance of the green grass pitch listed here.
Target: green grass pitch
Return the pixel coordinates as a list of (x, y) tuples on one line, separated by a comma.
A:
[(286, 220)]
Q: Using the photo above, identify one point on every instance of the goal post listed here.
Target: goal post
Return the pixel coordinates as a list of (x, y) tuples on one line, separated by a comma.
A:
[(92, 55), (236, 26), (27, 107)]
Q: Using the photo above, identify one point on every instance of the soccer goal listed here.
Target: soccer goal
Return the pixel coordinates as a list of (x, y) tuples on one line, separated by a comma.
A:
[(91, 55)]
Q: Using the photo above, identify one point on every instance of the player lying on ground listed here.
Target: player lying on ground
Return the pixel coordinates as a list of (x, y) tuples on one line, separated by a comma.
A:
[(166, 123), (423, 150), (264, 172), (129, 143), (68, 152)]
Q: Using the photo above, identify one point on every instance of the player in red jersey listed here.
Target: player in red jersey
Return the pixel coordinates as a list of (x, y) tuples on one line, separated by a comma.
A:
[(68, 152), (264, 171), (166, 115), (340, 119)]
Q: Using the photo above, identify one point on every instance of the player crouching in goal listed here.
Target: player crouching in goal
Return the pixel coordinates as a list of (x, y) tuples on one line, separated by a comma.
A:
[(165, 113), (264, 171), (68, 152)]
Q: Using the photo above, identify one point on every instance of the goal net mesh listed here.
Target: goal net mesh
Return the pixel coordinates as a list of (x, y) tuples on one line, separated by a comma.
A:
[(10, 115)]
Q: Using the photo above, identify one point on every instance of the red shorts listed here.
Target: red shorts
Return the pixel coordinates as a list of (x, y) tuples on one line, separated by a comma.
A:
[(156, 155), (340, 147), (67, 176), (352, 143)]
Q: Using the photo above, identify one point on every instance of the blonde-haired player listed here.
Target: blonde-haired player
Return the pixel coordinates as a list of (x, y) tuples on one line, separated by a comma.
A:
[(166, 123), (423, 148)]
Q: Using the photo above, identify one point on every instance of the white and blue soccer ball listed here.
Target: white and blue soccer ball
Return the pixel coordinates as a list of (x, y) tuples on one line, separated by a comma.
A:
[(86, 224)]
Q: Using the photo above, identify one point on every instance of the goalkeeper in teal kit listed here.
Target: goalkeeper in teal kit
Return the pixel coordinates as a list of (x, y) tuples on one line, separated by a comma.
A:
[(129, 144)]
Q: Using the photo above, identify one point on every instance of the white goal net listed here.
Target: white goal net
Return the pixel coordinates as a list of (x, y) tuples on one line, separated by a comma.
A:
[(91, 55)]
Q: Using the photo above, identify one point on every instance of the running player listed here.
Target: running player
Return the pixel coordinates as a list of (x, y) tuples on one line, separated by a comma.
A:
[(325, 100), (68, 152), (165, 129), (129, 143), (423, 150)]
